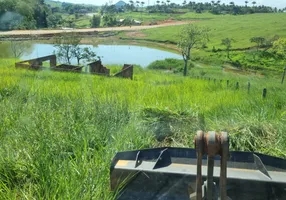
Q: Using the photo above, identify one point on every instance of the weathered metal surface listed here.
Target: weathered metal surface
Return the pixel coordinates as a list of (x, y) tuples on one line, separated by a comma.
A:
[(97, 68), (199, 143), (126, 72), (224, 142), (176, 175), (37, 62)]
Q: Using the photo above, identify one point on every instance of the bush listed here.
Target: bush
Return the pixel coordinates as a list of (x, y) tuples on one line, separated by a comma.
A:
[(95, 21), (168, 63)]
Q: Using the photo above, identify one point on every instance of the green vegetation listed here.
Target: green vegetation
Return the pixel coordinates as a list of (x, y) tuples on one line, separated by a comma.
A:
[(68, 47), (240, 30), (59, 131)]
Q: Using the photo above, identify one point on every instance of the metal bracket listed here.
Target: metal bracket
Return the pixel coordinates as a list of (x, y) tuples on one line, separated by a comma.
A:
[(163, 160), (211, 144)]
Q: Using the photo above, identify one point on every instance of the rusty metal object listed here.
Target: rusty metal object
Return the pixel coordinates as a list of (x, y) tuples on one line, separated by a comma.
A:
[(224, 142), (178, 173), (199, 143), (126, 72), (213, 144)]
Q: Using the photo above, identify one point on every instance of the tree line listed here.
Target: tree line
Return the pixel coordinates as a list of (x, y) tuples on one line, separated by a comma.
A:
[(265, 53), (215, 7), (33, 14)]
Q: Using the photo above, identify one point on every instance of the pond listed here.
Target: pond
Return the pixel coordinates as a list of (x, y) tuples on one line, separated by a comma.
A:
[(110, 54)]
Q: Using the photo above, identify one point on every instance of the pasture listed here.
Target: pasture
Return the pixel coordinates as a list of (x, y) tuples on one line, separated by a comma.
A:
[(59, 131)]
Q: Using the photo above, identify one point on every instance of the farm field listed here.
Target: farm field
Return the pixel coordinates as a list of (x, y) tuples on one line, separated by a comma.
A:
[(59, 131), (239, 28)]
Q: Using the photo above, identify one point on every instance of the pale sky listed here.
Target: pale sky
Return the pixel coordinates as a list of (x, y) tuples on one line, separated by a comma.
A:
[(273, 3)]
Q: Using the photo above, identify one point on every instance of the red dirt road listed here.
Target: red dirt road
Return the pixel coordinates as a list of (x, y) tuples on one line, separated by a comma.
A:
[(122, 28)]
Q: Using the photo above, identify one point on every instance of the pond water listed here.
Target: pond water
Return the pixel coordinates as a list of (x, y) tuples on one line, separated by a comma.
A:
[(109, 54)]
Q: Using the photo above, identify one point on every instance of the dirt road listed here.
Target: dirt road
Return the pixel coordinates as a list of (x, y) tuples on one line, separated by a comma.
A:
[(90, 30)]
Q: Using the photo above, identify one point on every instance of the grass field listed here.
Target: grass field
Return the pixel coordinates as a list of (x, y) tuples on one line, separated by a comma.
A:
[(59, 131), (238, 27)]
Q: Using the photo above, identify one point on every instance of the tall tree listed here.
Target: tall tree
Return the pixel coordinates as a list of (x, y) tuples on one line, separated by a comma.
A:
[(227, 42), (259, 41), (83, 54), (65, 45), (95, 21), (246, 2), (191, 36)]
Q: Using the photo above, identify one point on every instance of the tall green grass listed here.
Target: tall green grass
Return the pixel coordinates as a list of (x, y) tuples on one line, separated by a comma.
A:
[(59, 131), (239, 27)]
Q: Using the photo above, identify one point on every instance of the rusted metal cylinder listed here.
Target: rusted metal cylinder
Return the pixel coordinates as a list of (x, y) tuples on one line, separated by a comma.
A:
[(224, 142), (199, 143)]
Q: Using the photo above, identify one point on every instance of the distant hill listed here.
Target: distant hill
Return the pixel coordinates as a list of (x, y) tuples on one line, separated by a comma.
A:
[(120, 4)]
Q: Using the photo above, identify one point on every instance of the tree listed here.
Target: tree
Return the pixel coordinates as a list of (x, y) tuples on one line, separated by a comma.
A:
[(95, 21), (191, 36), (253, 3), (17, 48), (109, 20), (227, 43), (83, 54), (259, 41), (279, 48), (65, 45), (131, 5), (68, 47), (54, 20), (142, 4), (246, 2)]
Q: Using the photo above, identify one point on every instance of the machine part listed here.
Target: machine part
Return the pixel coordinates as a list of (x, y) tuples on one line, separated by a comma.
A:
[(224, 142), (213, 145), (199, 143), (171, 173)]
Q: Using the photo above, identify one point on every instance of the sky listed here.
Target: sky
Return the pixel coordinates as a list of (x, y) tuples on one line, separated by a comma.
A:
[(273, 3)]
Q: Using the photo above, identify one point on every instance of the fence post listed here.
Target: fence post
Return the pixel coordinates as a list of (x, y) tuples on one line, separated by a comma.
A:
[(227, 83), (264, 93), (214, 80), (237, 85), (248, 87), (283, 77), (209, 79)]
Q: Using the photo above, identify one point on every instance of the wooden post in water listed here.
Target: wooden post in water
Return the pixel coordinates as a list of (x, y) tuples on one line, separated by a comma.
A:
[(283, 77), (264, 93), (248, 87), (237, 85)]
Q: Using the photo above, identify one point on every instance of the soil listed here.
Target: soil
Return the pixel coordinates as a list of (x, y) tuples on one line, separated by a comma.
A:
[(90, 30)]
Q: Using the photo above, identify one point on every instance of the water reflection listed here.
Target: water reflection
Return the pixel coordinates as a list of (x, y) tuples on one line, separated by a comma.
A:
[(110, 54)]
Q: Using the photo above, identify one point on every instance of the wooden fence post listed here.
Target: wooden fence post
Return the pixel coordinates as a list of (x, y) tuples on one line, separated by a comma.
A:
[(283, 77), (237, 85), (264, 93)]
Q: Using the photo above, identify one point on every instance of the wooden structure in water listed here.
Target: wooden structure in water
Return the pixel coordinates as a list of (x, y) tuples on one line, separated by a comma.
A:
[(127, 72), (95, 67)]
